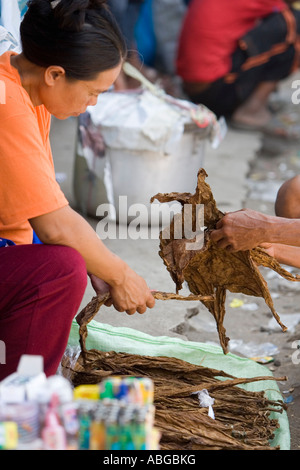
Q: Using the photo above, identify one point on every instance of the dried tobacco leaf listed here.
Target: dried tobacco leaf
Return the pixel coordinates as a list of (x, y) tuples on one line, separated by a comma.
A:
[(210, 270), (242, 418), (88, 313)]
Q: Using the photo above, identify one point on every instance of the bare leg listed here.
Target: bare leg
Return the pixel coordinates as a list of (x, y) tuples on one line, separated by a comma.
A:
[(288, 199), (254, 111)]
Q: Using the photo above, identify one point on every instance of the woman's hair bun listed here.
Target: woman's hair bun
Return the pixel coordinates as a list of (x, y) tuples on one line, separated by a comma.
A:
[(82, 36), (71, 14)]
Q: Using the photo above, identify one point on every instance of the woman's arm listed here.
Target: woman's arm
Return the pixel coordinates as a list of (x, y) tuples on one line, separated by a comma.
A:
[(65, 226)]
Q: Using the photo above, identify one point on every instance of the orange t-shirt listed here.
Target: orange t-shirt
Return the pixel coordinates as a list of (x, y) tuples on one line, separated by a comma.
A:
[(28, 187)]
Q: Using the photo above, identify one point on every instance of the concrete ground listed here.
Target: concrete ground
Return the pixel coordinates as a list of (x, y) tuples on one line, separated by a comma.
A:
[(245, 171)]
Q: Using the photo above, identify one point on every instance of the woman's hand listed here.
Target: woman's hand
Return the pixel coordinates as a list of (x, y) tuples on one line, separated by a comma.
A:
[(133, 295)]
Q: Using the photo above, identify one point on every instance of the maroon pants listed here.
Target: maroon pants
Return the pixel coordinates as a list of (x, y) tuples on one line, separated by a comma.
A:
[(41, 288)]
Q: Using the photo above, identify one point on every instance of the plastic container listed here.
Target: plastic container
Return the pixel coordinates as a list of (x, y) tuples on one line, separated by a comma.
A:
[(140, 174), (23, 384), (151, 146), (8, 435), (26, 415)]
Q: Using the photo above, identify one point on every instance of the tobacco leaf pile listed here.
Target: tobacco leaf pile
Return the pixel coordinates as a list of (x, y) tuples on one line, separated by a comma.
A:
[(242, 418), (210, 270)]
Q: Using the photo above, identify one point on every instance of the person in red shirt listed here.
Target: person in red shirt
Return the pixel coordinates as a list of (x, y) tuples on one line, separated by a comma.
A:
[(231, 55)]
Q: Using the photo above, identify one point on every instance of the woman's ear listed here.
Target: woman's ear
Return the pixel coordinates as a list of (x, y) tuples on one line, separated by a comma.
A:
[(54, 74)]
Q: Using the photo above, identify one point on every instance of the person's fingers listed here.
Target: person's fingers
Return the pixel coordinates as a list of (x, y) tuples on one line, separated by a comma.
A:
[(216, 235), (219, 224), (141, 310), (131, 311), (222, 243), (150, 301), (230, 248), (130, 302), (118, 308), (225, 245)]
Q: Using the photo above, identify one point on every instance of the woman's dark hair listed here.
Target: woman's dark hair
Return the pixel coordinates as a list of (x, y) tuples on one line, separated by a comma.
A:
[(81, 36)]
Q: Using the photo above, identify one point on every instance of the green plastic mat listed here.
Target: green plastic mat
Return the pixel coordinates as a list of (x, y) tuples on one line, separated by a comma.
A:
[(108, 338)]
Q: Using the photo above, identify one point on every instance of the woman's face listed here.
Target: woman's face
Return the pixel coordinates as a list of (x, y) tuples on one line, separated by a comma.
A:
[(64, 98)]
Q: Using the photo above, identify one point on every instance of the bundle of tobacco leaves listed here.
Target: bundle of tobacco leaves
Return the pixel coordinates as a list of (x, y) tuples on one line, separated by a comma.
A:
[(208, 269), (242, 418)]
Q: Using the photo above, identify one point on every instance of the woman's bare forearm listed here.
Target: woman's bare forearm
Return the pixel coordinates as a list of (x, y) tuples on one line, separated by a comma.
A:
[(66, 227), (129, 291)]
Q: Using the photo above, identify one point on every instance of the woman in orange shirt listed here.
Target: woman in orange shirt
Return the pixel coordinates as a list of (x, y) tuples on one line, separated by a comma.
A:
[(72, 50)]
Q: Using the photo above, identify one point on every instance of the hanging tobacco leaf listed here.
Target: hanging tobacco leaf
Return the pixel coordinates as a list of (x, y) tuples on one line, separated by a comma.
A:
[(208, 269)]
